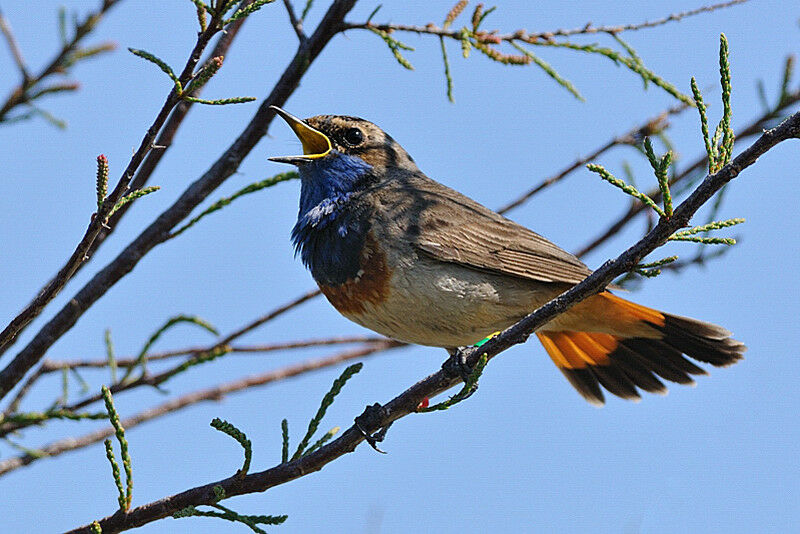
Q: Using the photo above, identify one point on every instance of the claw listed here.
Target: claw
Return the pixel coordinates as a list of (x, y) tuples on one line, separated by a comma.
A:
[(370, 419)]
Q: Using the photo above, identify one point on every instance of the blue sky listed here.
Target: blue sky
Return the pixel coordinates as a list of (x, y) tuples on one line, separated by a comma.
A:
[(526, 453)]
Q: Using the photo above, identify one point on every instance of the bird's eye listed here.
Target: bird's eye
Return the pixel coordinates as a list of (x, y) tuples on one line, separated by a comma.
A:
[(354, 137)]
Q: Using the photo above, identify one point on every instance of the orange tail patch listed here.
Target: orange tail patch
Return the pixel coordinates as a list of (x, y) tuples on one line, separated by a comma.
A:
[(646, 343)]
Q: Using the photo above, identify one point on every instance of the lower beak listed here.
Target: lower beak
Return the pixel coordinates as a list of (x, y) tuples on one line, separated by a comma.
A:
[(315, 143)]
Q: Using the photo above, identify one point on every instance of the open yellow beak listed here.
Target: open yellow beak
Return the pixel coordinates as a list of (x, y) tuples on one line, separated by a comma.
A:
[(315, 143)]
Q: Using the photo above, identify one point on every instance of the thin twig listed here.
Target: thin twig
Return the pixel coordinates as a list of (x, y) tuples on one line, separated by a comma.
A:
[(49, 366), (217, 348), (167, 135), (159, 229), (523, 35), (633, 136), (5, 28), (7, 337), (297, 24), (215, 393)]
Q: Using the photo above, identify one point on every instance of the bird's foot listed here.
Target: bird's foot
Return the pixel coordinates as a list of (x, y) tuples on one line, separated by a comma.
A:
[(371, 418), (456, 366)]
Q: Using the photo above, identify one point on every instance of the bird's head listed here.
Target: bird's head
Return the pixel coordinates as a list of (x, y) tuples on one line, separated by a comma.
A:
[(328, 138)]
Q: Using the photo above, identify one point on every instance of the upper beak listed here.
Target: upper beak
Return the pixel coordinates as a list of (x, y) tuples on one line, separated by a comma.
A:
[(315, 143)]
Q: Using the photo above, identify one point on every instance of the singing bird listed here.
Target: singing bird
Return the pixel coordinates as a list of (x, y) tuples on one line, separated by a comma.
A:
[(416, 261)]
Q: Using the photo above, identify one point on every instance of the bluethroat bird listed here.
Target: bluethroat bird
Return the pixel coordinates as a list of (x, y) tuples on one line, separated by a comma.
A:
[(416, 261)]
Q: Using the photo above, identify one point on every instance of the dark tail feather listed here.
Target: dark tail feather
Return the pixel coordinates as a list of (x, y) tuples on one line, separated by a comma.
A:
[(621, 365)]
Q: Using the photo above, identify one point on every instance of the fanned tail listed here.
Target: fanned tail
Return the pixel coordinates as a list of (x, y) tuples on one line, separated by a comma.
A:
[(623, 365)]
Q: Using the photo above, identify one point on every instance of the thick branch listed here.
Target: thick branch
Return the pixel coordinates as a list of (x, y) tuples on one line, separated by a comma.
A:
[(408, 401), (159, 230)]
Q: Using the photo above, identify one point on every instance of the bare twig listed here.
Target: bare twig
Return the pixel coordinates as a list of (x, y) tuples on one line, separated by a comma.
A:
[(217, 348), (297, 24), (50, 366), (5, 28), (408, 401), (215, 393), (523, 35), (633, 136)]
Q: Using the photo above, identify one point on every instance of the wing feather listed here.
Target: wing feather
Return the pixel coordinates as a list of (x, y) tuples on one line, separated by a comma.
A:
[(446, 225)]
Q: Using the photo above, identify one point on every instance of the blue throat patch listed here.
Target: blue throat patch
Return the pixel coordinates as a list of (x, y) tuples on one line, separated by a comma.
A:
[(329, 233)]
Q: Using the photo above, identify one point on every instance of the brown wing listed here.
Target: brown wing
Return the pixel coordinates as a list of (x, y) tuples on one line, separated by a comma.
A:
[(451, 227)]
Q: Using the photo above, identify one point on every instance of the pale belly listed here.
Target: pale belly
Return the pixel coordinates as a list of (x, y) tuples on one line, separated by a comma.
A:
[(447, 305)]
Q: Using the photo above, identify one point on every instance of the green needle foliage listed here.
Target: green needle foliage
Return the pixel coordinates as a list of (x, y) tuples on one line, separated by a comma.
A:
[(27, 418), (221, 101), (323, 440), (550, 71), (394, 46), (116, 474), (284, 441), (133, 195), (205, 74), (651, 270), (251, 521), (102, 179), (719, 148), (247, 11), (224, 201), (471, 36), (660, 168), (112, 360), (470, 386), (203, 357), (96, 529), (691, 233), (327, 400), (126, 495), (141, 359), (238, 435), (160, 63), (629, 189), (307, 8)]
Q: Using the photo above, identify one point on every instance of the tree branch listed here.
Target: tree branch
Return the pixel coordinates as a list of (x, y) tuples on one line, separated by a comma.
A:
[(204, 354), (297, 24), (167, 135), (440, 381), (158, 231), (523, 35)]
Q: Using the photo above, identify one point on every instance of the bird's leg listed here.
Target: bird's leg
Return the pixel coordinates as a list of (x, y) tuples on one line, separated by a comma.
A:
[(456, 364), (371, 418)]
